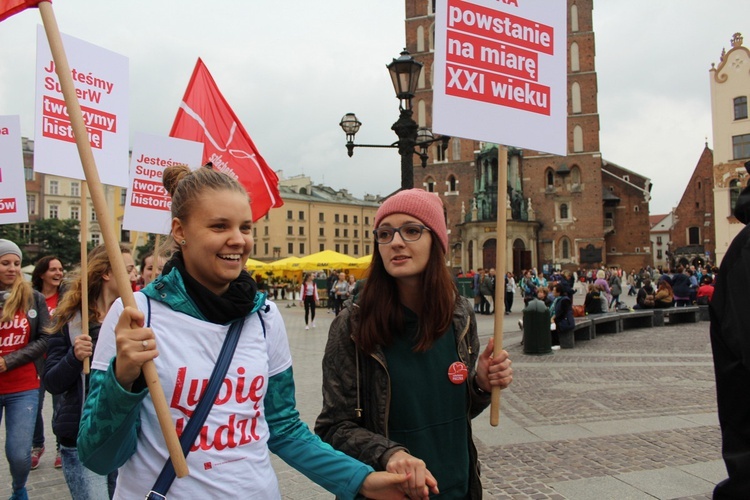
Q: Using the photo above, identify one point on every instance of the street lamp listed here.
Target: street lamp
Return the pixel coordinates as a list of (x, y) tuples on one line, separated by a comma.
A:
[(404, 73)]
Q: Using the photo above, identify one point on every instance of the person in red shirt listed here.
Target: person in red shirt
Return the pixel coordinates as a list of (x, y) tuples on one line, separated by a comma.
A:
[(705, 291), (46, 278), (23, 318)]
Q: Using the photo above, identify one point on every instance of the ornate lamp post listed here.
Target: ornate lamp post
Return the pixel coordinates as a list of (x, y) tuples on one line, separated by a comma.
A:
[(404, 74)]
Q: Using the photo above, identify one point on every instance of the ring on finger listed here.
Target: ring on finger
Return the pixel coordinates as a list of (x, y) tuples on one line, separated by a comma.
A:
[(144, 343)]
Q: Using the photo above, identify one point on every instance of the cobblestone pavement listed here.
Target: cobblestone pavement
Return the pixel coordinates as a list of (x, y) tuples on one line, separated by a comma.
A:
[(624, 416)]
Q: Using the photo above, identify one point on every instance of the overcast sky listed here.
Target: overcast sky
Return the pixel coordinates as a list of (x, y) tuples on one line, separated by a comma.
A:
[(291, 69)]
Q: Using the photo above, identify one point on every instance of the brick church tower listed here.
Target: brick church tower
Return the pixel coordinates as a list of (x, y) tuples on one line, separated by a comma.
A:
[(562, 211)]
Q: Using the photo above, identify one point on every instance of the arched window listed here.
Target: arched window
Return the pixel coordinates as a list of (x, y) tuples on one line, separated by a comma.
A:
[(565, 248), (456, 144), (575, 97), (574, 18), (452, 183), (734, 193), (577, 139), (694, 235), (636, 208), (422, 113), (563, 211), (421, 80), (550, 177), (575, 63), (430, 185), (575, 175), (420, 39), (431, 40)]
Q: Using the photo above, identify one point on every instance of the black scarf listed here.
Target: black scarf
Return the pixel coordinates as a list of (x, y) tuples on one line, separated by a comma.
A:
[(235, 303)]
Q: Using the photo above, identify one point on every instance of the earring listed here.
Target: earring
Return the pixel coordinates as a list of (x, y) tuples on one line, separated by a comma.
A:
[(182, 242)]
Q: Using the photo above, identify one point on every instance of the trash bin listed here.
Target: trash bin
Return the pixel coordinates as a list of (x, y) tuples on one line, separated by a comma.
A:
[(536, 333)]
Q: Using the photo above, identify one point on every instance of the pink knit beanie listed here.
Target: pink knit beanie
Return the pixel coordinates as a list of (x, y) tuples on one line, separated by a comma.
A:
[(427, 207)]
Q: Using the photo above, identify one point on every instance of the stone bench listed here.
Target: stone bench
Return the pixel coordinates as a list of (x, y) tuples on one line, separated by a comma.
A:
[(606, 323), (689, 314), (638, 318)]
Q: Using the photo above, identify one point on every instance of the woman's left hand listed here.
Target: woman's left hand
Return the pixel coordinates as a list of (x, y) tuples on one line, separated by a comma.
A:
[(384, 485), (494, 371)]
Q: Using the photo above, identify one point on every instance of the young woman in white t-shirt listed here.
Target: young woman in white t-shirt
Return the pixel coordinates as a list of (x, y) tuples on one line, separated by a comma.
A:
[(184, 316)]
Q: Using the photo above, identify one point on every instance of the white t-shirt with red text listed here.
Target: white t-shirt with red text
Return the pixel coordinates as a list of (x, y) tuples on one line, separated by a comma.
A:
[(230, 458)]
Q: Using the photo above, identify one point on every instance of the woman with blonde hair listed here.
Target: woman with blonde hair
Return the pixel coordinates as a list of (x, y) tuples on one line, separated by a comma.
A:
[(23, 342), (69, 346)]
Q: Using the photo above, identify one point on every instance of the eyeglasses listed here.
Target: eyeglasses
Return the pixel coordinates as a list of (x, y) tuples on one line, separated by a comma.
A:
[(408, 232)]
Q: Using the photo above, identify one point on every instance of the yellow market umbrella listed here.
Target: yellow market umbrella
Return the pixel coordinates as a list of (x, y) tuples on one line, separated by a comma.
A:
[(286, 264), (255, 266), (364, 261), (327, 259)]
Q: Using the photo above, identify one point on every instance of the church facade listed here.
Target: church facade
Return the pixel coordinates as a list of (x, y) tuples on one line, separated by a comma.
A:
[(562, 212)]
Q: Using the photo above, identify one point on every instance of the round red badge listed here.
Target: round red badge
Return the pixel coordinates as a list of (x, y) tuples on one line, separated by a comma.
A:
[(458, 373)]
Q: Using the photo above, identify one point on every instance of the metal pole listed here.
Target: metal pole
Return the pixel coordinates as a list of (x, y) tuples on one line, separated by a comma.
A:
[(406, 130)]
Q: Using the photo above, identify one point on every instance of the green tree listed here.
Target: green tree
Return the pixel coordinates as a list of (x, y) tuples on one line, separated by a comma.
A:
[(58, 237)]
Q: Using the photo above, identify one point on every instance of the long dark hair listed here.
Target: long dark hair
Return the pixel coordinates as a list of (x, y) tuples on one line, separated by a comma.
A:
[(380, 307), (41, 267)]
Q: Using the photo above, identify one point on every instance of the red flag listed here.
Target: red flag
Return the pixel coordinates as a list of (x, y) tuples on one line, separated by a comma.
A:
[(204, 116), (11, 7)]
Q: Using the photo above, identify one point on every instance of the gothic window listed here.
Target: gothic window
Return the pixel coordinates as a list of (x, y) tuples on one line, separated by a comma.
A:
[(577, 139), (574, 18), (575, 63), (456, 143), (431, 40), (575, 175), (452, 183), (421, 80), (565, 248), (422, 113), (563, 211), (550, 177), (740, 107), (440, 155), (694, 235), (420, 39), (575, 97)]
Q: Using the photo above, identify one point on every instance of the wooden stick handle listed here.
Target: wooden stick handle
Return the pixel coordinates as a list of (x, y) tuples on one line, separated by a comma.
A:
[(500, 266), (105, 223), (85, 269)]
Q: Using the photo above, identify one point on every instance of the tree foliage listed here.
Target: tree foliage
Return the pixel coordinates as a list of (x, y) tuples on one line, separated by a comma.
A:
[(58, 237)]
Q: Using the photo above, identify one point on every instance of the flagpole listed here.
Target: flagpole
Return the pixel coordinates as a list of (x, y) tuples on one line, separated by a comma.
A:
[(108, 232), (500, 265)]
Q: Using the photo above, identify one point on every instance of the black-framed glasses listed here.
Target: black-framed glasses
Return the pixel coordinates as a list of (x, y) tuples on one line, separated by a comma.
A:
[(408, 232)]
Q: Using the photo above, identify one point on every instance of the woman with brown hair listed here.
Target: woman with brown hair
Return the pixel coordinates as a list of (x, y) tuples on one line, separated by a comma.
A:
[(402, 370), (664, 295), (69, 346)]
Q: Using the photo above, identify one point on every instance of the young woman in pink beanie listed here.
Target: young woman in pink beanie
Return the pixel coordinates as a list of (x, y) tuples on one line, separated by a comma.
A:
[(403, 373)]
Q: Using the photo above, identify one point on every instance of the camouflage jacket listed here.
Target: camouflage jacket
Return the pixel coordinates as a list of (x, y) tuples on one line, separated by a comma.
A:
[(356, 391)]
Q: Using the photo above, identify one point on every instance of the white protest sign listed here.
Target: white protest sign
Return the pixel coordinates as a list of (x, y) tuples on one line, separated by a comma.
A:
[(12, 185), (500, 72), (148, 205), (101, 81)]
